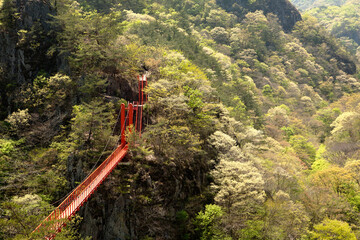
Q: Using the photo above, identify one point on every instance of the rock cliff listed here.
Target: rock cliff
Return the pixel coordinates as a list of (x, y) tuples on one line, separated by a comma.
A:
[(25, 40), (24, 47)]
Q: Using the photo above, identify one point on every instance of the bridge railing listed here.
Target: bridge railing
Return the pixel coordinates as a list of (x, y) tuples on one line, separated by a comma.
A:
[(55, 221), (69, 206)]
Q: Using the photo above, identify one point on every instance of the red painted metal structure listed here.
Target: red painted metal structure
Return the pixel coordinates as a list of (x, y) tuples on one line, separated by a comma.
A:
[(55, 221)]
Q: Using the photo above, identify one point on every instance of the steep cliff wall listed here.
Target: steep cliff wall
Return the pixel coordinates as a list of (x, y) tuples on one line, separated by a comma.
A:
[(143, 198), (25, 39), (24, 47)]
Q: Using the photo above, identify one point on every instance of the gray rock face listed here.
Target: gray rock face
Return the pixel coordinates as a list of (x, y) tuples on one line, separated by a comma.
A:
[(149, 206), (24, 46), (288, 15), (104, 219), (286, 12)]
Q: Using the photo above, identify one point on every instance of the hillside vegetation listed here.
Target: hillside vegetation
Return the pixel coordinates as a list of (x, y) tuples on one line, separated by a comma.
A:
[(342, 22), (304, 5), (252, 125), (341, 19)]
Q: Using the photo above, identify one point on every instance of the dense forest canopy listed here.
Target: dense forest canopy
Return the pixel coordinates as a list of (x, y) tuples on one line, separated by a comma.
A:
[(304, 5), (252, 127), (340, 18)]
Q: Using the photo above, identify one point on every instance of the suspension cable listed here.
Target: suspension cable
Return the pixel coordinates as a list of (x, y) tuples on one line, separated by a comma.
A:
[(102, 153)]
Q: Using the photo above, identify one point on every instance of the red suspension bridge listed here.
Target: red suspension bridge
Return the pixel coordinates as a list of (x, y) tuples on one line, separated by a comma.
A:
[(57, 219)]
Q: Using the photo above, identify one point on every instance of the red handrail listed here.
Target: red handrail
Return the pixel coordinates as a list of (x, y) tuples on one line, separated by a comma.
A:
[(85, 189)]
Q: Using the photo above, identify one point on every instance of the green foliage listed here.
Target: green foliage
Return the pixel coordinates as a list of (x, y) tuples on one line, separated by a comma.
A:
[(19, 120), (92, 123), (238, 110), (335, 57), (239, 186), (92, 86), (320, 163), (332, 229), (175, 142), (288, 132), (7, 14), (46, 94), (327, 116), (207, 222), (346, 127), (253, 230), (49, 183), (261, 31), (7, 146), (278, 117), (354, 167), (221, 141), (337, 179), (195, 101), (285, 218), (267, 90), (220, 18), (303, 148), (179, 94), (81, 25), (347, 24), (71, 231), (220, 35), (355, 201), (240, 95), (157, 33), (309, 4), (21, 216), (181, 218)]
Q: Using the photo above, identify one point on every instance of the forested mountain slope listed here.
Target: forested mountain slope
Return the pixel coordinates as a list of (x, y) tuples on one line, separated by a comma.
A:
[(304, 5), (343, 22), (340, 18), (252, 124)]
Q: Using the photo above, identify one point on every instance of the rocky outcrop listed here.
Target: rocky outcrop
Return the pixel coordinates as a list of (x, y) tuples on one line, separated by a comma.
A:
[(288, 15), (24, 46), (345, 64), (105, 218), (284, 10), (25, 39), (137, 202)]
